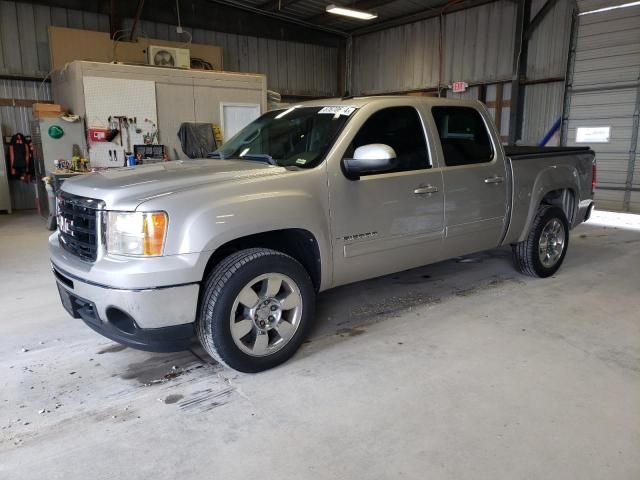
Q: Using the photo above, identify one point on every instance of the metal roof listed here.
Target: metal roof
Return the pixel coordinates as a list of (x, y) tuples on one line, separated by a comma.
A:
[(313, 12)]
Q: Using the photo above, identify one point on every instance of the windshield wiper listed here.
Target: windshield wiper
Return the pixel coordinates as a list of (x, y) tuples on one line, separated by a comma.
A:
[(256, 157), (259, 157)]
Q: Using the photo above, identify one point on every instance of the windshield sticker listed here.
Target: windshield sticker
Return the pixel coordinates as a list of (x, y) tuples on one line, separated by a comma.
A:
[(338, 110), (301, 161)]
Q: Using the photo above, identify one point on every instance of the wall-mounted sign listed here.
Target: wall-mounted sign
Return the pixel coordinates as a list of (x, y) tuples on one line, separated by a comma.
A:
[(593, 134), (459, 87)]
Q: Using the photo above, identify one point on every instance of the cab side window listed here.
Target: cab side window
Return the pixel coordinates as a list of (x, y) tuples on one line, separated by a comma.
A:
[(401, 129), (463, 136)]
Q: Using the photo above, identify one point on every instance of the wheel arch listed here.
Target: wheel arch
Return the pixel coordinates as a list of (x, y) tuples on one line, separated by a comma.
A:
[(298, 243), (564, 197)]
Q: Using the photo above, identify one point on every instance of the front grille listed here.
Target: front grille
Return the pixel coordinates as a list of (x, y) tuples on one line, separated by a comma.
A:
[(77, 224)]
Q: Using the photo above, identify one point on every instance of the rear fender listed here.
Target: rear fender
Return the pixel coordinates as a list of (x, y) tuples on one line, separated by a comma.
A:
[(550, 179)]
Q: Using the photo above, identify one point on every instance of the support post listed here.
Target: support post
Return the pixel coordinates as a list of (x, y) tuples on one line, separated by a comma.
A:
[(136, 19), (115, 22), (520, 54)]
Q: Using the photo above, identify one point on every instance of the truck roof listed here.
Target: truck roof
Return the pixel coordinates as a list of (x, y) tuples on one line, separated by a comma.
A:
[(387, 99)]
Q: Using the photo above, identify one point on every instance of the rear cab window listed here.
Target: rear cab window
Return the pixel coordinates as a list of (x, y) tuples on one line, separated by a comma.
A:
[(463, 136)]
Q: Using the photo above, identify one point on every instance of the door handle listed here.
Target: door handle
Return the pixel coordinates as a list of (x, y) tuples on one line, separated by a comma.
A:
[(425, 190), (495, 179)]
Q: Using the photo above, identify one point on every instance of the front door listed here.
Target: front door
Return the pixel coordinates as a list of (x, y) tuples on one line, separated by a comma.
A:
[(474, 178), (392, 221)]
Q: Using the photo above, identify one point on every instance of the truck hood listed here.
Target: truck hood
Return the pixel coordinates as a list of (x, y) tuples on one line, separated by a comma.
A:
[(126, 188)]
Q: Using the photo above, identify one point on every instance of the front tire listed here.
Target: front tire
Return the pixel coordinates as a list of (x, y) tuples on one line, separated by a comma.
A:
[(544, 249), (256, 309)]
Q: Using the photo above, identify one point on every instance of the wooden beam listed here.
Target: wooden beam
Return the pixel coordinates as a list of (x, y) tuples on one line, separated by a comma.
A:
[(498, 104), (20, 102), (498, 114)]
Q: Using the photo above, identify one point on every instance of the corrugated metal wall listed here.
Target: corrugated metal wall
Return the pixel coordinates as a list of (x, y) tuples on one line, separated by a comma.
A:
[(549, 43), (16, 119), (478, 43), (24, 42), (542, 108), (605, 91), (292, 68), (477, 48), (396, 59), (547, 58)]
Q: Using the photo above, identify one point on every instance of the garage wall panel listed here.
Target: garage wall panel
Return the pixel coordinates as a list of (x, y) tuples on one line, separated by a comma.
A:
[(397, 59), (23, 34), (18, 119), (549, 43), (605, 91), (478, 43), (292, 68), (542, 108), (477, 46)]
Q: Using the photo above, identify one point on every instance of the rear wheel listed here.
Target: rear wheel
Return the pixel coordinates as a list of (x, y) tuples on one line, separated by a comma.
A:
[(543, 251), (256, 309)]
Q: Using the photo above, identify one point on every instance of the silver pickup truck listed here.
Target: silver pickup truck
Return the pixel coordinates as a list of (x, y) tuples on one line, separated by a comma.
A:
[(234, 248)]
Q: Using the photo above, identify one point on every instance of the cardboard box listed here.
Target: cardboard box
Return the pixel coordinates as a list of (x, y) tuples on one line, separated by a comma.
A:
[(44, 110), (69, 44)]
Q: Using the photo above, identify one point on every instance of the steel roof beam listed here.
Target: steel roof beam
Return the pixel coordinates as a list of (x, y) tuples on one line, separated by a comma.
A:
[(542, 13), (421, 15), (276, 5)]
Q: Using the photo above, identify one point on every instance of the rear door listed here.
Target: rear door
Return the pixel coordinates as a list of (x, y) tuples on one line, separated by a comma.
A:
[(386, 222), (475, 180)]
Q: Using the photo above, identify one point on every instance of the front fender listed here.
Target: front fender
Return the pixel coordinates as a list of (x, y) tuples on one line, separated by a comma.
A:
[(203, 220)]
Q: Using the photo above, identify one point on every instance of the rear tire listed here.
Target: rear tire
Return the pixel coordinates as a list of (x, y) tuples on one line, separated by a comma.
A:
[(544, 249), (256, 309)]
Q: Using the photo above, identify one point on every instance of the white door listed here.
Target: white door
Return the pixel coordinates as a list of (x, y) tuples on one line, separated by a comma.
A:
[(236, 116)]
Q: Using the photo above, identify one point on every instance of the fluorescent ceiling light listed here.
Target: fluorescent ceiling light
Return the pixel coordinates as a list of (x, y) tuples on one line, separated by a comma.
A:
[(348, 12), (614, 7)]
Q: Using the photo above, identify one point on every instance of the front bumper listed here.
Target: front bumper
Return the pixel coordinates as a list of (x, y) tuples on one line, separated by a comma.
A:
[(159, 319)]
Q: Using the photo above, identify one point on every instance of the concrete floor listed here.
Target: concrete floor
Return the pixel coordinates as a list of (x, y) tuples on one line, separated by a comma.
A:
[(463, 369)]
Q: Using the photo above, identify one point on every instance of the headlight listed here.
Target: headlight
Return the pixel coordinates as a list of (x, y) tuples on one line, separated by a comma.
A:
[(136, 233)]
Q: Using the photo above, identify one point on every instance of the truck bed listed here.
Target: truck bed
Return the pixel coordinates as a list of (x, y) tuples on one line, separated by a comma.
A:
[(548, 166), (516, 152)]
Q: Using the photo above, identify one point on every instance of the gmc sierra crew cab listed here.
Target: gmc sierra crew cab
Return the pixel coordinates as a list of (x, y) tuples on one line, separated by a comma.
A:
[(235, 247)]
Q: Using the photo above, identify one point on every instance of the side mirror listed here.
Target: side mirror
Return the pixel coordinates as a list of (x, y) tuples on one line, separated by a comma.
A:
[(372, 158)]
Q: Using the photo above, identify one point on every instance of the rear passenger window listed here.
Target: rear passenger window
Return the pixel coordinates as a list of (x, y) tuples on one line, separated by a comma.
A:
[(463, 136), (401, 129)]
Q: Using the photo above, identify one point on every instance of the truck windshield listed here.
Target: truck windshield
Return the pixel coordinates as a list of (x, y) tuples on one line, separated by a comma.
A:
[(298, 136)]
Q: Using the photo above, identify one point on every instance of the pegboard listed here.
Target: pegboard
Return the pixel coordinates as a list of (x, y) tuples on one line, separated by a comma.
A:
[(110, 97)]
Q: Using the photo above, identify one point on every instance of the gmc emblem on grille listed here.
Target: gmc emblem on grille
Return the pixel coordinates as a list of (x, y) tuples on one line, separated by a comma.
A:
[(65, 225)]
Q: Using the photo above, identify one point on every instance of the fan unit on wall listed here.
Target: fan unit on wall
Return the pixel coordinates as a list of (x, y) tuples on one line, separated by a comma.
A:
[(161, 56)]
